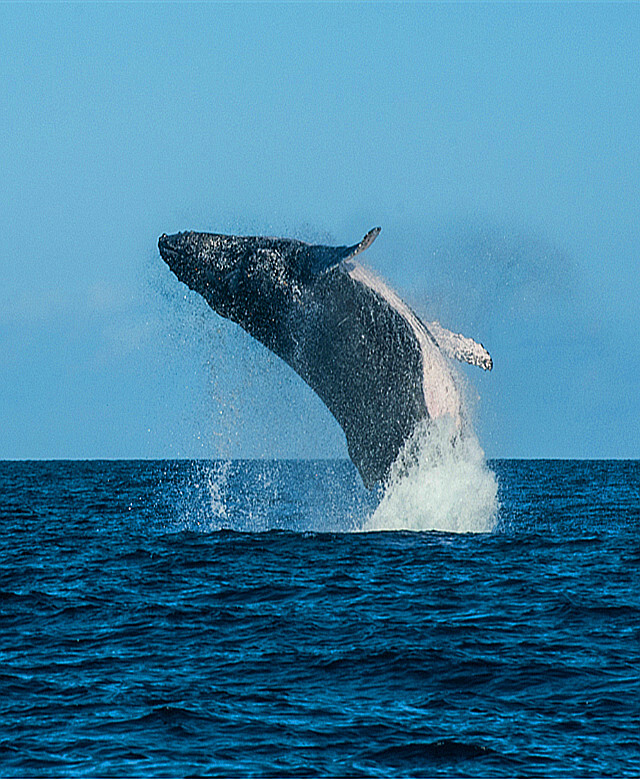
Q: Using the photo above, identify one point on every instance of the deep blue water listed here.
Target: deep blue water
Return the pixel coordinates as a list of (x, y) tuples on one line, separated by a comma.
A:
[(143, 633)]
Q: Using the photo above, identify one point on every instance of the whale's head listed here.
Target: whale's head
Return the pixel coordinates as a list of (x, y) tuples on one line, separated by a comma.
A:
[(245, 278), (208, 263)]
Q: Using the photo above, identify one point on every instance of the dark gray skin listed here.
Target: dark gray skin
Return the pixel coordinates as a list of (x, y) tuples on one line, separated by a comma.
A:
[(347, 343)]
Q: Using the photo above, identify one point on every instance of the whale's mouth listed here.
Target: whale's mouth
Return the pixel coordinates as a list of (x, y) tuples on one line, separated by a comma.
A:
[(165, 247)]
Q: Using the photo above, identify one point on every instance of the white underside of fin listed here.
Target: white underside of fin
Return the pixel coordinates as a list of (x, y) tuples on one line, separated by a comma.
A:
[(460, 347), (441, 395)]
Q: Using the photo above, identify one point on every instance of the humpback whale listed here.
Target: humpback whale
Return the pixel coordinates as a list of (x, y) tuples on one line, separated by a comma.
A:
[(376, 366)]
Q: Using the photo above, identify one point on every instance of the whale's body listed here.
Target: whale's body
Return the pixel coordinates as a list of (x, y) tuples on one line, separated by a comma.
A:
[(374, 364)]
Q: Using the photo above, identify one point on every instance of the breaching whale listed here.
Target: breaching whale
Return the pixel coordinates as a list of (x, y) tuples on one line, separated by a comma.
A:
[(377, 367)]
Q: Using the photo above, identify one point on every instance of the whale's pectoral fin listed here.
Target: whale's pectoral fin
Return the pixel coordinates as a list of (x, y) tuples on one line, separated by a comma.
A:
[(460, 347), (323, 258)]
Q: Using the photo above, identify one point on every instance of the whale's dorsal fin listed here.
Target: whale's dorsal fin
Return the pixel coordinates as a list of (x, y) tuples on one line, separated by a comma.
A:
[(322, 258), (366, 242)]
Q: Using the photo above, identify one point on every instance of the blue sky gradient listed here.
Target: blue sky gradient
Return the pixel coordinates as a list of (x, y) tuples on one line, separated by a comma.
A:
[(496, 144)]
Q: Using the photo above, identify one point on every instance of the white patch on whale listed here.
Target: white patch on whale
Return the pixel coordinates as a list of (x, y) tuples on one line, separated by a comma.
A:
[(441, 395), (440, 480)]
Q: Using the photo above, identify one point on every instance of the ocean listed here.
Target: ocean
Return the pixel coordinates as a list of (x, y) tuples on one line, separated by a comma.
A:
[(233, 619)]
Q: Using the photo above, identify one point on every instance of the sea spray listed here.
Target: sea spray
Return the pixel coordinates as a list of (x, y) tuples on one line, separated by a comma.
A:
[(194, 496), (252, 496), (217, 481), (439, 482)]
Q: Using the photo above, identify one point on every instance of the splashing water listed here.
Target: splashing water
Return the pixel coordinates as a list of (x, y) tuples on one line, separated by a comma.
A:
[(254, 496), (439, 482), (217, 481)]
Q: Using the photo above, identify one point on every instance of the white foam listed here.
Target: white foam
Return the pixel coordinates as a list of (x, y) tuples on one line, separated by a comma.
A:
[(440, 482)]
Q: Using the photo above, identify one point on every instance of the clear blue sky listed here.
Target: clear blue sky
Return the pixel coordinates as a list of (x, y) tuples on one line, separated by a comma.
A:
[(497, 145)]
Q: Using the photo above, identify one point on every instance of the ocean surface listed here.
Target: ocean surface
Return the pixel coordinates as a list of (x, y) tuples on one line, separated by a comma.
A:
[(209, 618)]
